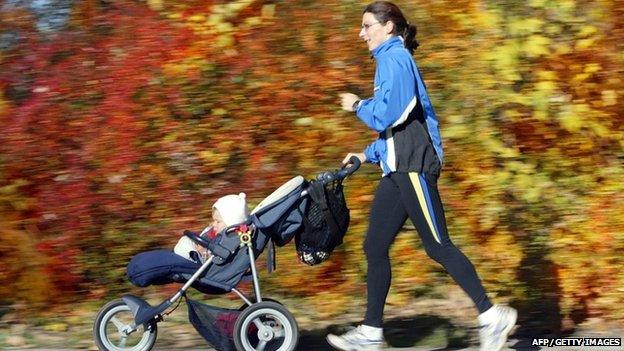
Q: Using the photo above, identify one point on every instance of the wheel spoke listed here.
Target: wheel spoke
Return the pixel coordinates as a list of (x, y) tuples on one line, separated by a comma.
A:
[(117, 324), (279, 333), (261, 345), (258, 324), (122, 342)]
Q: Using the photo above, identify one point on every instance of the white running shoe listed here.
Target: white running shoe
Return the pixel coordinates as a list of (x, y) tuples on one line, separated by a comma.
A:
[(362, 338), (495, 324)]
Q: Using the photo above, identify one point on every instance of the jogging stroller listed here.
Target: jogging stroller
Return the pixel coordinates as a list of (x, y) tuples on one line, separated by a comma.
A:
[(130, 323)]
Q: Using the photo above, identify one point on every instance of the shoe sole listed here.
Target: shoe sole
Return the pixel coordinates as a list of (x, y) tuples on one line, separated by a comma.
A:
[(337, 343)]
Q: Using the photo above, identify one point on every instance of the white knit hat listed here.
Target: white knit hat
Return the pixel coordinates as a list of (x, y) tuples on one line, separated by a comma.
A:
[(233, 208)]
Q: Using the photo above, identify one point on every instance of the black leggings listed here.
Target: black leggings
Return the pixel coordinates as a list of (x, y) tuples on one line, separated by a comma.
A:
[(413, 195)]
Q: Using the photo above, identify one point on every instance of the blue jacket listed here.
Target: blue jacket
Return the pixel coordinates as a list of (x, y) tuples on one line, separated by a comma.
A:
[(401, 112)]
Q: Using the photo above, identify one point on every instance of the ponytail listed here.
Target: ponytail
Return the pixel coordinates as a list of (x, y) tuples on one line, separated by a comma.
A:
[(409, 38)]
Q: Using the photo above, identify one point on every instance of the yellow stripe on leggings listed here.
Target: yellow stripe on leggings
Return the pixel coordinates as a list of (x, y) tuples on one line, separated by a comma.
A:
[(423, 204)]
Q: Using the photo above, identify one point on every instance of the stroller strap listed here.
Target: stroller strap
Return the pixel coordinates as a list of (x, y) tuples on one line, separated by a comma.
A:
[(271, 261)]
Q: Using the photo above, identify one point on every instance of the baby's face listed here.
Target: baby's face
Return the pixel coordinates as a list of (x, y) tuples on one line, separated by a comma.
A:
[(217, 221)]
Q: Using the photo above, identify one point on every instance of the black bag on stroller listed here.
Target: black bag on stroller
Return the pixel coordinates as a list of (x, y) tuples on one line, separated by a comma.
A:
[(325, 221)]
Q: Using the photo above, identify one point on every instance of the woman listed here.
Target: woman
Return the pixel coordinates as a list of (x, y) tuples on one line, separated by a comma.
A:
[(409, 151)]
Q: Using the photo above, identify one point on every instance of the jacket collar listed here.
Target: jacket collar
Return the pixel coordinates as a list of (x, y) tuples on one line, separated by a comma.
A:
[(393, 41)]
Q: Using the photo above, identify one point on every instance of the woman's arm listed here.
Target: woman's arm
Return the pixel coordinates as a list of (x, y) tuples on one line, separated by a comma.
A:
[(394, 96)]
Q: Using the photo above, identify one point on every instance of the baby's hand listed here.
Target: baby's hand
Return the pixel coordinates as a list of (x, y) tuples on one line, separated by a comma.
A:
[(204, 253)]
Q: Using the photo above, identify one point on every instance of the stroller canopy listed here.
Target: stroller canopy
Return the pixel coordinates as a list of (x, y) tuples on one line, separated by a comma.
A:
[(274, 206)]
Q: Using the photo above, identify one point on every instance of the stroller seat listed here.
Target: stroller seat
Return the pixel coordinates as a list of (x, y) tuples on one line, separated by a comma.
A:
[(273, 219)]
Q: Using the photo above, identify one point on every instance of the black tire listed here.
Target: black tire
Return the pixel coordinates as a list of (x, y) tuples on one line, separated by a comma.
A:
[(266, 326), (108, 334), (244, 305)]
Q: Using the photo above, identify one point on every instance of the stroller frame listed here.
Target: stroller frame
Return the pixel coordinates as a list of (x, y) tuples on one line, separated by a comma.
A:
[(146, 317)]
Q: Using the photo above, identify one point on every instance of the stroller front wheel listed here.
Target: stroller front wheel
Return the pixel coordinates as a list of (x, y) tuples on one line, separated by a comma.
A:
[(112, 326), (266, 326)]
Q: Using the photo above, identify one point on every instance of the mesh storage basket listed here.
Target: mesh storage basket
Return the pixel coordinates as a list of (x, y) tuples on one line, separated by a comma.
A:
[(215, 324)]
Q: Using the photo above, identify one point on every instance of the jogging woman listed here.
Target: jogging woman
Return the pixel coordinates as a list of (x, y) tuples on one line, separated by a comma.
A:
[(409, 152)]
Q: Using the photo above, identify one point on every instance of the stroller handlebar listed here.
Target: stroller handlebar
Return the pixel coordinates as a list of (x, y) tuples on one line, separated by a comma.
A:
[(211, 245), (340, 174)]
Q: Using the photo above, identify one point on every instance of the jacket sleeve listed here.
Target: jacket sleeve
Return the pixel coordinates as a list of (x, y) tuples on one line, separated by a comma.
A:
[(394, 93), (374, 150)]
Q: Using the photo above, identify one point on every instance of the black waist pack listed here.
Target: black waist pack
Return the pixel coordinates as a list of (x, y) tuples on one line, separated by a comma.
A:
[(325, 222)]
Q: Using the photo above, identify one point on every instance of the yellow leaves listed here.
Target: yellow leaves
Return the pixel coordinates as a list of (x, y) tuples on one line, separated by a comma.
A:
[(536, 46), (584, 43), (184, 67), (505, 59), (217, 23), (268, 11), (457, 131), (586, 30), (588, 71), (562, 48), (592, 68), (520, 99), (537, 3), (234, 7), (504, 247), (197, 18), (217, 161), (480, 20), (155, 5), (253, 21), (489, 217), (225, 41), (543, 94), (23, 273), (588, 36), (571, 116), (218, 111), (512, 115), (599, 129), (10, 196), (546, 75), (526, 182), (525, 26), (56, 327), (546, 87), (553, 29), (609, 97), (495, 146)]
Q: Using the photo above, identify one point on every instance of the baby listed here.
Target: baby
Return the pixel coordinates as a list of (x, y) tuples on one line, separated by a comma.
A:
[(227, 211)]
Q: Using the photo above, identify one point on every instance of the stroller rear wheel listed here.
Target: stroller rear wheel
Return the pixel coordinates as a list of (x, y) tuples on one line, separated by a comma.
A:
[(111, 330), (266, 326)]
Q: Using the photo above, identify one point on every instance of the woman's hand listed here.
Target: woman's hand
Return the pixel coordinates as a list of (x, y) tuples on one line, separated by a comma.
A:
[(347, 100), (360, 155)]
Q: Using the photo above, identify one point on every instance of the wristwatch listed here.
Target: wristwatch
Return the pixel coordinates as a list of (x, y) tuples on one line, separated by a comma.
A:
[(356, 104)]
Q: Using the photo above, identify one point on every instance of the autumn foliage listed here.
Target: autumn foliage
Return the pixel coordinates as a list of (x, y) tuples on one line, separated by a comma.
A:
[(121, 127)]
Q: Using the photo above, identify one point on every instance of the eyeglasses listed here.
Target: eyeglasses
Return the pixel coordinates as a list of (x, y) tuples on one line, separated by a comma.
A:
[(365, 26)]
